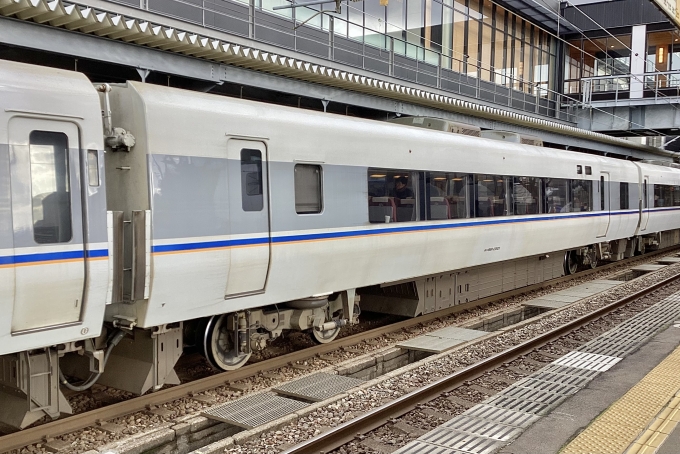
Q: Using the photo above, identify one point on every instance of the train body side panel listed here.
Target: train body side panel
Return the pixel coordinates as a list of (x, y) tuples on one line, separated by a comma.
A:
[(48, 102), (6, 240), (337, 248)]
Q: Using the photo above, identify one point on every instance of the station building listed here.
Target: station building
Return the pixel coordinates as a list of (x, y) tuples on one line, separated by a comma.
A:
[(573, 74)]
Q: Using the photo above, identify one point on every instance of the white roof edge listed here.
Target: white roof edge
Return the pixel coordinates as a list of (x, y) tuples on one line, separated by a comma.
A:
[(138, 31)]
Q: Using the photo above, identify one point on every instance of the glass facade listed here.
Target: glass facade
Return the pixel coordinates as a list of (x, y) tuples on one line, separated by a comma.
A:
[(662, 57), (611, 56), (588, 57), (475, 37), (470, 47)]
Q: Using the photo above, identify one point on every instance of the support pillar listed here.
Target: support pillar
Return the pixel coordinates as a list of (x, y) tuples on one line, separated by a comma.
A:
[(637, 61)]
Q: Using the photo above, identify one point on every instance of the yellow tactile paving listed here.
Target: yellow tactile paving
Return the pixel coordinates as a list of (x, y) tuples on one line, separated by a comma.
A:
[(641, 420)]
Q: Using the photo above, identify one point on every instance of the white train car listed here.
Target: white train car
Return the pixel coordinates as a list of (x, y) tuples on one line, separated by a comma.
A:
[(226, 222), (54, 272)]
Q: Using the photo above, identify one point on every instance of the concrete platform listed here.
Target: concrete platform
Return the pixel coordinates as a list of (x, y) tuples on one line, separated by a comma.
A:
[(572, 416), (647, 268), (573, 294), (565, 396), (441, 340)]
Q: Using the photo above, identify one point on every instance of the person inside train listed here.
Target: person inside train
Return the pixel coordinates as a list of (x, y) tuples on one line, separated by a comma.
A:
[(401, 189)]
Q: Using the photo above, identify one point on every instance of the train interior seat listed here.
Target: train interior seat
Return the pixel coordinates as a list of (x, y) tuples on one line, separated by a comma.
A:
[(380, 207), (406, 210), (439, 208)]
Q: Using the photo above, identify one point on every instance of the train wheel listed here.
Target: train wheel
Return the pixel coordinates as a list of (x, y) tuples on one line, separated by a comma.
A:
[(570, 262), (218, 345), (324, 337)]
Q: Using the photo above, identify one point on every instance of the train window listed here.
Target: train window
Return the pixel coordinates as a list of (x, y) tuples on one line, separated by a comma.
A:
[(491, 196), (448, 193), (601, 193), (589, 170), (458, 195), (252, 194), (50, 187), (392, 196), (663, 195), (676, 195), (526, 193), (93, 167), (579, 169), (581, 196), (658, 196), (623, 196), (644, 194), (308, 189), (555, 195)]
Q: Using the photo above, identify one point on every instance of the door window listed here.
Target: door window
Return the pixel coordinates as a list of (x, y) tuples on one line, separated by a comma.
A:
[(251, 180), (50, 188)]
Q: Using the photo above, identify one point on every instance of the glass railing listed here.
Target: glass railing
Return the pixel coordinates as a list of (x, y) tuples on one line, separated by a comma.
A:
[(656, 85)]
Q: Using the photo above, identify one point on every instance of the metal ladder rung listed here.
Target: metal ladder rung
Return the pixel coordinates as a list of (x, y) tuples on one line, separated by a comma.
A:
[(40, 374), (31, 376)]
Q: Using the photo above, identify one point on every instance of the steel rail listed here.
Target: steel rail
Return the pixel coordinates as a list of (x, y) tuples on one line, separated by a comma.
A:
[(346, 432), (52, 429)]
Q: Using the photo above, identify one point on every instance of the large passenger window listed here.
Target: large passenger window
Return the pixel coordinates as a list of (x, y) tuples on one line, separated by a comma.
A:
[(308, 189), (556, 195), (50, 188), (252, 197), (448, 193), (392, 196), (666, 196), (581, 196), (526, 193), (624, 196), (491, 198)]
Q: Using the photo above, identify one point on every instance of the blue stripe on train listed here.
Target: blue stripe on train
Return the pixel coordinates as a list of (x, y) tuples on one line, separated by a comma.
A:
[(197, 246), (51, 256), (370, 232), (209, 245)]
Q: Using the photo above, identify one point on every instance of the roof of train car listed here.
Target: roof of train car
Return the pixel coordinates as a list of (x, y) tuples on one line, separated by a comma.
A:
[(661, 174), (188, 120), (30, 90)]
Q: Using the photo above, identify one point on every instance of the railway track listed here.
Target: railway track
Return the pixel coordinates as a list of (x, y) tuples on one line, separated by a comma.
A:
[(50, 430), (362, 424)]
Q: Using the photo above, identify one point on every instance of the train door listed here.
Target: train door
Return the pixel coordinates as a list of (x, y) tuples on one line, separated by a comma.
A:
[(47, 223), (249, 216), (644, 204), (604, 204)]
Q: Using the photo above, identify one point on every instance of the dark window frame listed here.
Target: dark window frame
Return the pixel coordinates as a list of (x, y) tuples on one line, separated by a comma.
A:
[(624, 195), (252, 187), (58, 229), (303, 207)]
